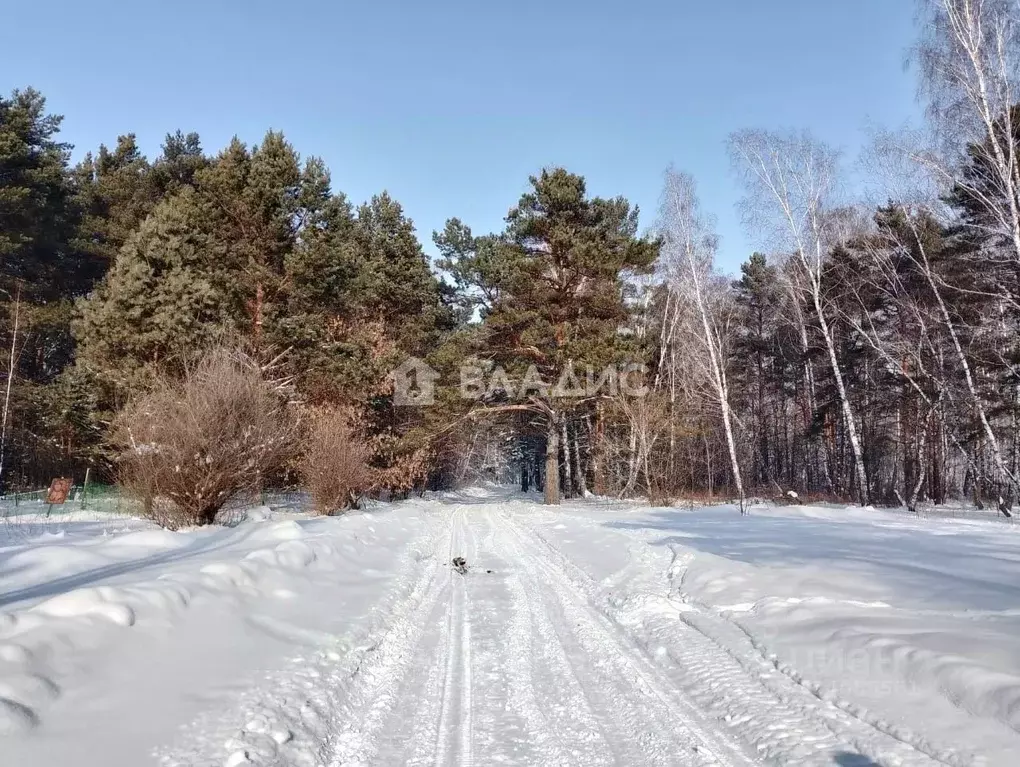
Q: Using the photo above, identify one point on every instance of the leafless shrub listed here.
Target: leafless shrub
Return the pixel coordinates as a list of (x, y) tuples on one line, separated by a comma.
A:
[(334, 465), (193, 443)]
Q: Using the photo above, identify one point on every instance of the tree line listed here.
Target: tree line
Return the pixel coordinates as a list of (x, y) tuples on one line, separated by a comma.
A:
[(869, 353)]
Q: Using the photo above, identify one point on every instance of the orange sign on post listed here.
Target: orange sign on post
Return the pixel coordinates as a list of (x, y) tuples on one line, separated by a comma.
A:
[(60, 488)]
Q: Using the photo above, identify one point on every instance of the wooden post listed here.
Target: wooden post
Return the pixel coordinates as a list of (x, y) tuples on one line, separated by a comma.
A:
[(85, 487)]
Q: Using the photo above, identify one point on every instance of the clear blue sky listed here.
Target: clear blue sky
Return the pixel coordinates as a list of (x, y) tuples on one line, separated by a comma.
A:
[(451, 104)]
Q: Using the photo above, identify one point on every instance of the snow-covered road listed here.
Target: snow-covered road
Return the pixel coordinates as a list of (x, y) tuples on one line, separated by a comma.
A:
[(595, 635), (516, 666)]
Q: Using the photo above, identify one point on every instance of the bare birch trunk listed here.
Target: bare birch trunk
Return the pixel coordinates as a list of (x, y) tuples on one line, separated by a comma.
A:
[(689, 246), (552, 461), (970, 64), (790, 179), (922, 439), (12, 359), (961, 358), (632, 461), (568, 480), (581, 481), (844, 400)]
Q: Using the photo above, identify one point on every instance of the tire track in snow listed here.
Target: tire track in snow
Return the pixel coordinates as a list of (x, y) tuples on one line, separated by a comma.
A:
[(410, 736), (783, 721), (651, 721), (853, 724), (454, 740), (502, 658), (379, 673), (849, 726), (564, 731)]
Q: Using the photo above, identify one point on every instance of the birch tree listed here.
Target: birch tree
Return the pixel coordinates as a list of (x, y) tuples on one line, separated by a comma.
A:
[(12, 362), (969, 56), (912, 177), (790, 182), (688, 256)]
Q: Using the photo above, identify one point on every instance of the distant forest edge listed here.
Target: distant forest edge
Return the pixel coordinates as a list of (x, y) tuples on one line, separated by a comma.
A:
[(872, 354)]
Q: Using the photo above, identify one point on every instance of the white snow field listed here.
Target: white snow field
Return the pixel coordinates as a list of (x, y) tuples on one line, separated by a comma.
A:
[(597, 633)]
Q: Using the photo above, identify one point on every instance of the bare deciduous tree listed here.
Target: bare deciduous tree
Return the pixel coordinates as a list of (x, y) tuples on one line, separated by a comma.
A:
[(969, 56), (688, 258), (790, 182), (913, 177)]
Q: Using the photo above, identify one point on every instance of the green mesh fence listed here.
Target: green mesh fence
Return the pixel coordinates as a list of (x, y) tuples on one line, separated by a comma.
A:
[(100, 499), (94, 497)]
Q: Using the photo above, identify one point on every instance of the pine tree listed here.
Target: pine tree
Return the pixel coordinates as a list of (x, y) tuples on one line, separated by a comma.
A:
[(251, 198), (115, 192), (395, 281), (475, 265), (179, 164), (166, 296), (37, 218), (555, 278), (41, 270), (332, 354)]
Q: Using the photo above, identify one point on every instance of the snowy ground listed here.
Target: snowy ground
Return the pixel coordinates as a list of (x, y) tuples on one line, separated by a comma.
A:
[(593, 634)]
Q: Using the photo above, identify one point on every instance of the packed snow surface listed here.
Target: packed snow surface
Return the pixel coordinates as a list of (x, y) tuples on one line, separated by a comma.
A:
[(596, 633)]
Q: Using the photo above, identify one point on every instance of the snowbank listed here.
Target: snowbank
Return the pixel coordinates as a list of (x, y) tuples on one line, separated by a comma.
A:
[(113, 636), (908, 624)]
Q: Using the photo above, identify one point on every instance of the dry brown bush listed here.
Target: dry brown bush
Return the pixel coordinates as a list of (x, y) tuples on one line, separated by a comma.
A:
[(404, 468), (193, 443), (334, 465)]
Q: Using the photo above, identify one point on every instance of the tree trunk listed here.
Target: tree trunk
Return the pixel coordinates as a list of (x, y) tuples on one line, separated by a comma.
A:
[(568, 478), (595, 433), (844, 400), (580, 478), (732, 446), (1000, 464), (552, 460), (10, 380), (632, 461), (915, 491), (260, 298)]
